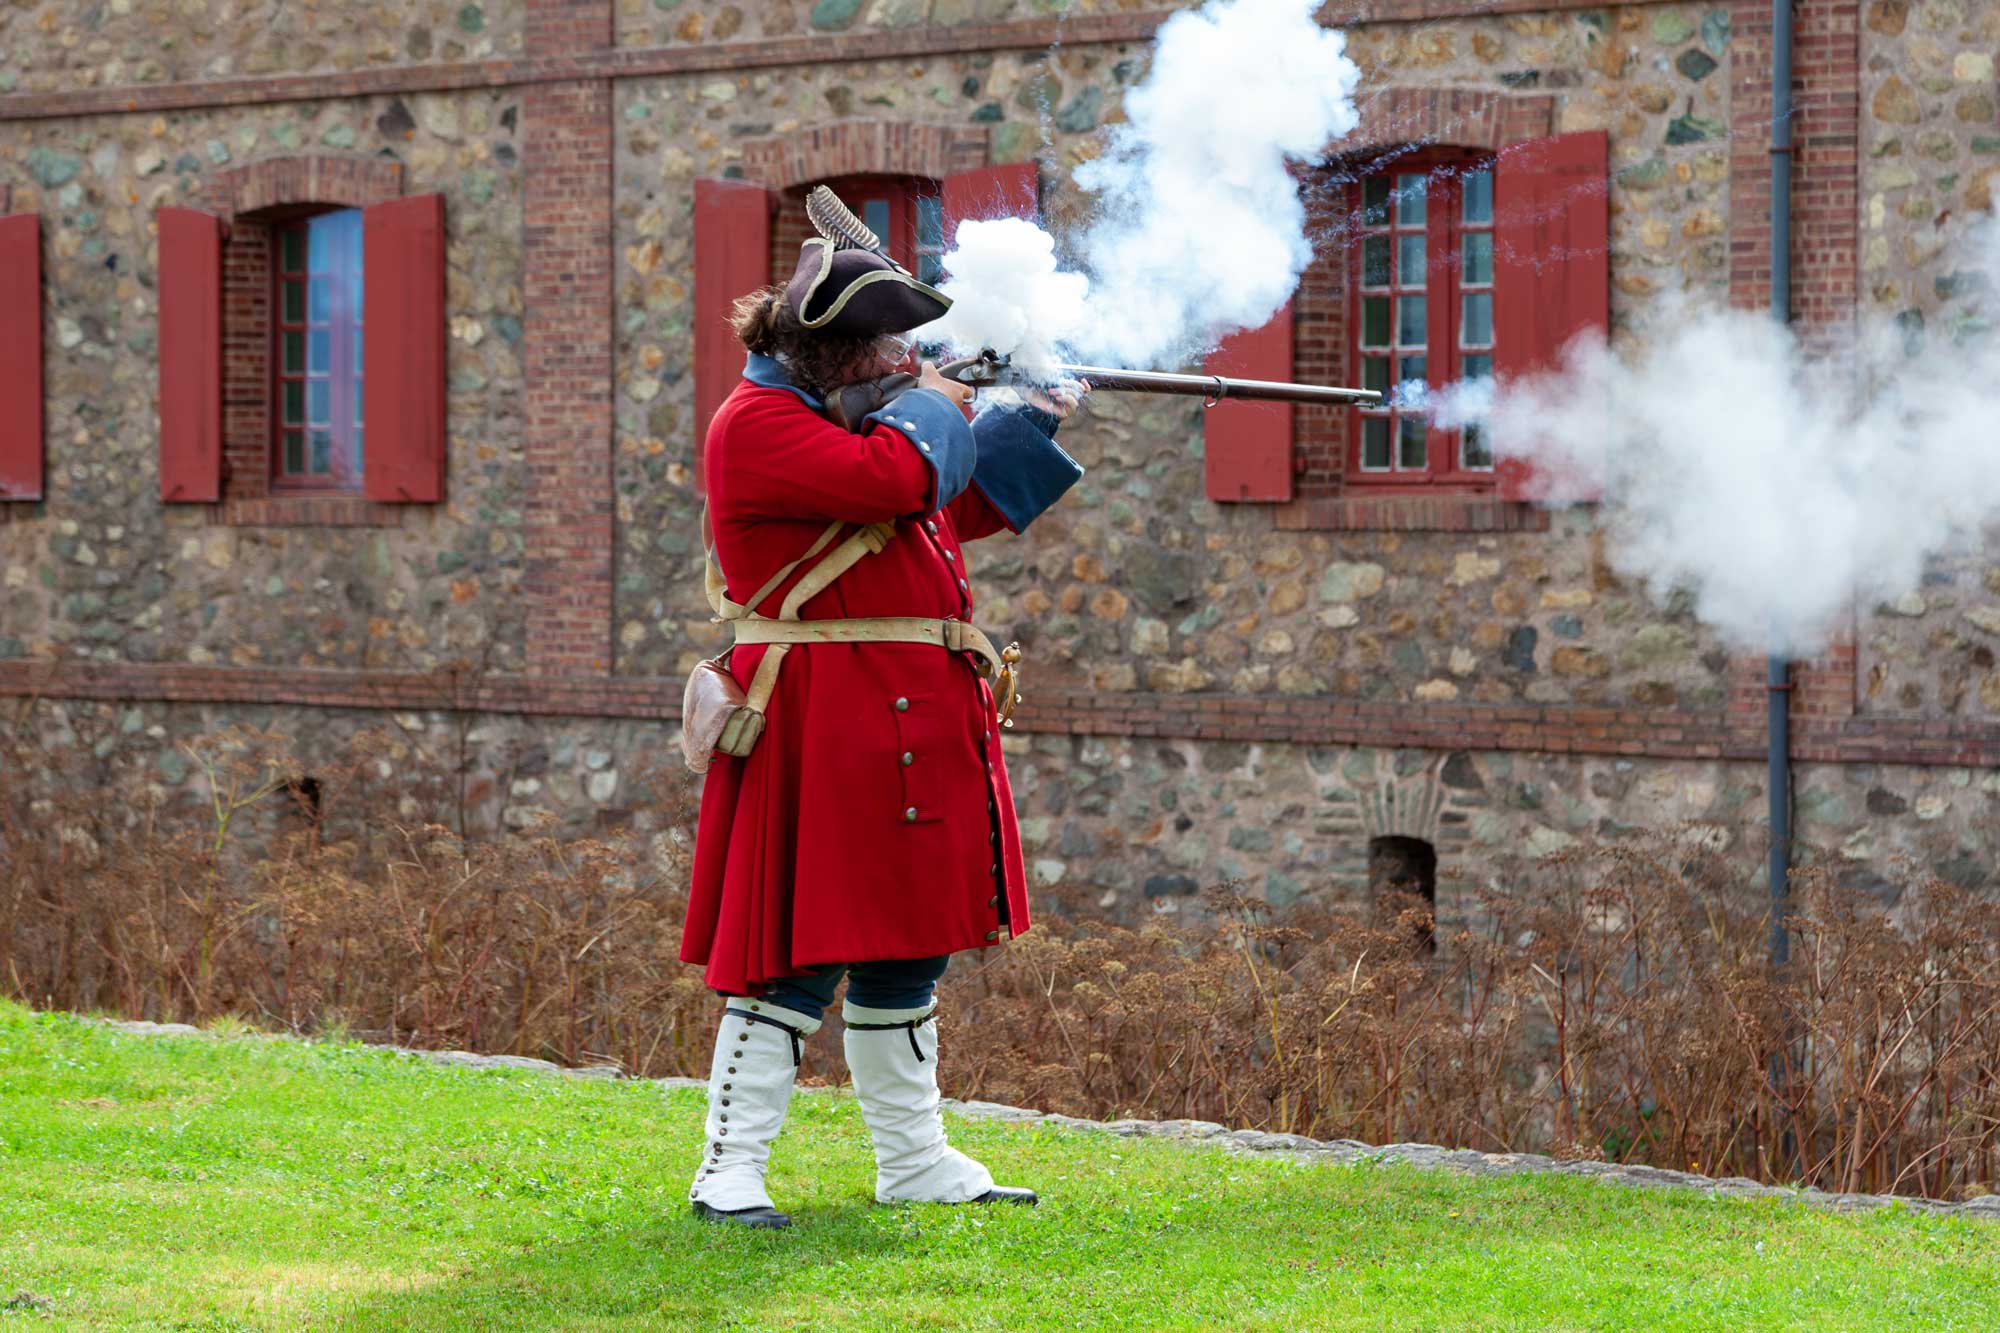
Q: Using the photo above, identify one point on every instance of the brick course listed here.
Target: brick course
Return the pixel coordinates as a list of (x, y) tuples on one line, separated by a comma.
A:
[(1735, 732)]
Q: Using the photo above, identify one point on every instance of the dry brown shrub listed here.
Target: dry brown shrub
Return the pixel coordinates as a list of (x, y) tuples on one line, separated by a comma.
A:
[(1615, 1001)]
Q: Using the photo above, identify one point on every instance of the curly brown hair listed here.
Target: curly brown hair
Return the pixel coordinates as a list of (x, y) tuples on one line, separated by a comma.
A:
[(817, 362)]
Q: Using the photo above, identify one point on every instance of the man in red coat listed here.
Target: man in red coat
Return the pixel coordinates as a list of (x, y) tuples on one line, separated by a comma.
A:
[(871, 830)]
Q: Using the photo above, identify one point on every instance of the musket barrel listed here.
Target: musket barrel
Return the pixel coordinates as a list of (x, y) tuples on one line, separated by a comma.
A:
[(1214, 386)]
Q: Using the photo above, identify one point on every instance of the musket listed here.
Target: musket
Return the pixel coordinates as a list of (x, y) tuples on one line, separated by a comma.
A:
[(989, 370)]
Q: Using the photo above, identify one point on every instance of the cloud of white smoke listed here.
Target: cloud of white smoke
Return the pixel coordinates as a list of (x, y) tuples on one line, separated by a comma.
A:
[(1197, 228), (1780, 489)]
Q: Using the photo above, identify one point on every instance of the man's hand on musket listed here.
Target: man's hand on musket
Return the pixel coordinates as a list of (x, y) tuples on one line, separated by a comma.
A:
[(1061, 399), (952, 389)]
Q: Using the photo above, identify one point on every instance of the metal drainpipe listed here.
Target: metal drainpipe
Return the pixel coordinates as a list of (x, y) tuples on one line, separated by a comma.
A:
[(1777, 672), (1777, 677)]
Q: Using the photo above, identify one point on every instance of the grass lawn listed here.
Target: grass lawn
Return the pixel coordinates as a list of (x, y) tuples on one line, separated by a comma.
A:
[(188, 1183)]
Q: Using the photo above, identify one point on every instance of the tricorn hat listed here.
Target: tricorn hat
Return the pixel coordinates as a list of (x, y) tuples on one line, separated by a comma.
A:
[(847, 284)]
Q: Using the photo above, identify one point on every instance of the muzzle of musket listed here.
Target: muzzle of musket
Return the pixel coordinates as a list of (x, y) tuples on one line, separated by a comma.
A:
[(990, 370)]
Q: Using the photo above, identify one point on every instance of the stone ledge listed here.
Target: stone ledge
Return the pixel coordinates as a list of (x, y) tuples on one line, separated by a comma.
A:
[(1425, 1156)]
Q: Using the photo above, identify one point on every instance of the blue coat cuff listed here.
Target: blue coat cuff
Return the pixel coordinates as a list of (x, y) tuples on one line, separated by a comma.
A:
[(1021, 470), (937, 430)]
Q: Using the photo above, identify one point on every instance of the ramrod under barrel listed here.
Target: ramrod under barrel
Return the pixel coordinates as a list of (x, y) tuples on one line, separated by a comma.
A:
[(989, 370)]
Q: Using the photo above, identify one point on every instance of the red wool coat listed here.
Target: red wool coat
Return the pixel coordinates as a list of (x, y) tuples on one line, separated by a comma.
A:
[(807, 851)]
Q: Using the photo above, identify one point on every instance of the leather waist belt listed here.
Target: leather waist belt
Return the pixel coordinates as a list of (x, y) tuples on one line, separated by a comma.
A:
[(957, 636)]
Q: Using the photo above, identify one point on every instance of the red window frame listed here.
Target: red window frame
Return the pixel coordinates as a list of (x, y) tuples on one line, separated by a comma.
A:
[(1443, 231), (316, 293), (907, 212)]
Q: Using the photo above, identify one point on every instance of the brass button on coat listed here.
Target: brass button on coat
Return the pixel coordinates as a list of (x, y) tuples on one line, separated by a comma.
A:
[(908, 759), (902, 705), (992, 934), (910, 815)]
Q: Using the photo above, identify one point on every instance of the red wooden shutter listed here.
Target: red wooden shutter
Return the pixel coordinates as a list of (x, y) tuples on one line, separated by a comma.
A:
[(1011, 190), (1248, 446), (21, 357), (402, 353), (1551, 260), (732, 258), (190, 355)]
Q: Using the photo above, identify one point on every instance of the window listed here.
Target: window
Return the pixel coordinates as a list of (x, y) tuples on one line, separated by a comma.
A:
[(1422, 314), (317, 425)]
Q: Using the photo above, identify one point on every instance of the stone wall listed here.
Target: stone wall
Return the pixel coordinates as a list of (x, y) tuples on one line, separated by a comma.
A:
[(1119, 826), (62, 45), (110, 572), (1930, 170), (1137, 586)]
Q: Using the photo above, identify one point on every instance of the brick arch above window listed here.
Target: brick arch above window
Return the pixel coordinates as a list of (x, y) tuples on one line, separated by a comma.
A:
[(1401, 116), (864, 148), (310, 178)]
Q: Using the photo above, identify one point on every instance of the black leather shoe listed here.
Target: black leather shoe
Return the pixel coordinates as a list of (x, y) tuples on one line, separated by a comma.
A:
[(769, 1219), (1007, 1194)]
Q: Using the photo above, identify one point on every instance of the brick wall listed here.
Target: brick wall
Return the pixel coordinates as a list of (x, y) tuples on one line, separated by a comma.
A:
[(566, 152)]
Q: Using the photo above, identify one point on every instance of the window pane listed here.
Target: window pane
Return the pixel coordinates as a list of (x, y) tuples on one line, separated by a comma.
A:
[(1479, 367), (1475, 451), (295, 402), (319, 345), (1409, 200), (1375, 443), (1412, 450), (1478, 196), (1375, 201), (1476, 328), (295, 303), (322, 451), (292, 250), (930, 269), (317, 399), (1375, 373), (1479, 256), (295, 353), (295, 452), (360, 458), (1410, 260), (1375, 261), (357, 297), (357, 400), (930, 222), (1374, 321), (1410, 321), (1410, 368), (875, 216), (320, 306), (358, 362)]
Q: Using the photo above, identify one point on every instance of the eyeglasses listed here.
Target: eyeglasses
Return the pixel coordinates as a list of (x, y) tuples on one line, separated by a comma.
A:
[(894, 346)]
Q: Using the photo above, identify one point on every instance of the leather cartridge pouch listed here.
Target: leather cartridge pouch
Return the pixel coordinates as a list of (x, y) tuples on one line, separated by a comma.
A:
[(714, 715)]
